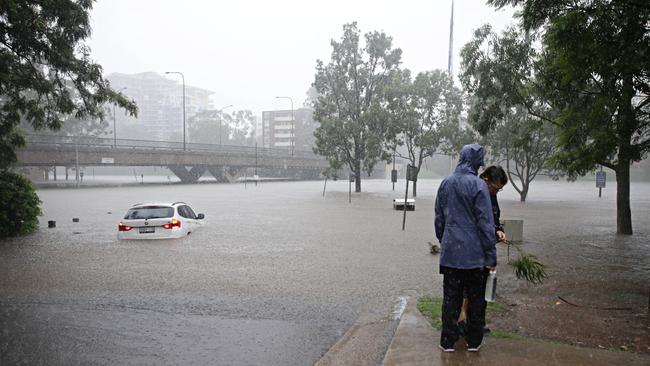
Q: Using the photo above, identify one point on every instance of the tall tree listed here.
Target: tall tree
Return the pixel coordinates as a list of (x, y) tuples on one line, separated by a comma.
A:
[(351, 100), (596, 71), (499, 73), (241, 128), (209, 127), (42, 51), (420, 111), (217, 127), (524, 146)]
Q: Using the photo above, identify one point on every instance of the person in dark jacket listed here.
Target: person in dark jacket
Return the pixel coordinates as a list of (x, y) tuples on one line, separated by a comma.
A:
[(495, 178), (464, 225)]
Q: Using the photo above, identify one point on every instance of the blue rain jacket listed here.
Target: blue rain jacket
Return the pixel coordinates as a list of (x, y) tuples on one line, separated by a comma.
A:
[(464, 221)]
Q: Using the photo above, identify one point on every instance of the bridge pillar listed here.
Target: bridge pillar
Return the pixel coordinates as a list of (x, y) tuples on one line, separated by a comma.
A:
[(188, 176), (232, 173), (217, 171)]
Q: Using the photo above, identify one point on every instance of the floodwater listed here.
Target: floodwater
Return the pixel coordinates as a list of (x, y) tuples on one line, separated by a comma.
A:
[(276, 276)]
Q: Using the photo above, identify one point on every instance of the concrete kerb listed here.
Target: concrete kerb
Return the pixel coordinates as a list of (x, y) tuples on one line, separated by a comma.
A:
[(416, 342)]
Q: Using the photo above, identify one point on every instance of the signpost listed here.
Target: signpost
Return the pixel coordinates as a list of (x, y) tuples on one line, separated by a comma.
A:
[(601, 181), (352, 176), (411, 175)]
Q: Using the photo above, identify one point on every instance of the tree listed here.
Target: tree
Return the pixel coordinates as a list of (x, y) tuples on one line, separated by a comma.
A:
[(499, 72), (241, 127), (351, 101), (524, 145), (208, 127), (42, 52), (595, 70), (19, 213), (420, 110), (217, 127)]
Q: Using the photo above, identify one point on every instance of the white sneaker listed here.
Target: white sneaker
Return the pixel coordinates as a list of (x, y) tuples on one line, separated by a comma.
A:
[(473, 349), (446, 349)]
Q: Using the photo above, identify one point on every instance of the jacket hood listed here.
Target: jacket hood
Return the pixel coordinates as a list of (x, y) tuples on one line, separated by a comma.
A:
[(471, 158)]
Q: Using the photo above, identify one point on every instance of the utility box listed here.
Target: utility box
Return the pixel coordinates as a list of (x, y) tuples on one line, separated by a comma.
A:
[(398, 204), (514, 229)]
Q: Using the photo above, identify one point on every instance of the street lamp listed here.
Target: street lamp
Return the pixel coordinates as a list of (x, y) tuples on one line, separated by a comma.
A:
[(220, 117), (182, 76), (292, 122), (114, 127)]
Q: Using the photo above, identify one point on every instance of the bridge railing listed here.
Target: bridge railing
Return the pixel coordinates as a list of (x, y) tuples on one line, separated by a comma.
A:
[(109, 143)]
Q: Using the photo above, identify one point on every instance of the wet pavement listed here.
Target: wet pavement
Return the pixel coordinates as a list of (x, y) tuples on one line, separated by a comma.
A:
[(277, 275)]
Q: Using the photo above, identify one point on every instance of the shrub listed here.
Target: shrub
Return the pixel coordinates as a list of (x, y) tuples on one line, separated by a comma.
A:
[(20, 205)]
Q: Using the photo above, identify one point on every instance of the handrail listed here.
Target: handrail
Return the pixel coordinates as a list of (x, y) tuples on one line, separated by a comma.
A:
[(100, 142)]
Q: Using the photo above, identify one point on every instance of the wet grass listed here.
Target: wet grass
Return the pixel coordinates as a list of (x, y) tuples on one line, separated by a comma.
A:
[(431, 307)]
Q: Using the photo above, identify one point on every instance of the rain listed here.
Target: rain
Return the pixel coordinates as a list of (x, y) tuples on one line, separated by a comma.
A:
[(221, 200)]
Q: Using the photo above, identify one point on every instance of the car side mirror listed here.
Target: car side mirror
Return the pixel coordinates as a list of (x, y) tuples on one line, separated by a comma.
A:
[(200, 216)]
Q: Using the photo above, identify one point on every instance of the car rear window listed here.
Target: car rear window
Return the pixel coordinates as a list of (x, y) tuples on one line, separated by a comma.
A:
[(149, 212)]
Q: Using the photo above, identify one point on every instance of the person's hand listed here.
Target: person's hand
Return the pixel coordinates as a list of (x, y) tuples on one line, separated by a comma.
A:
[(501, 236), (491, 268)]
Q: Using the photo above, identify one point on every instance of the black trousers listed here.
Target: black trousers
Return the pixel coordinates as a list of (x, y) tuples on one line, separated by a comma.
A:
[(472, 283)]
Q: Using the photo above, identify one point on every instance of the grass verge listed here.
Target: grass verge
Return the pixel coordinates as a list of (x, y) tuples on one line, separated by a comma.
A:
[(431, 307)]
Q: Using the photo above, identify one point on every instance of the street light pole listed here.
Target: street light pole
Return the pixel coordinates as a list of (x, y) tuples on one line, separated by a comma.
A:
[(221, 110), (183, 77), (292, 123), (114, 124)]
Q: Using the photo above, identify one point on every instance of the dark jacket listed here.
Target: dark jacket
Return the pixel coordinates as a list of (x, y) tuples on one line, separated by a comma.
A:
[(496, 211), (464, 221)]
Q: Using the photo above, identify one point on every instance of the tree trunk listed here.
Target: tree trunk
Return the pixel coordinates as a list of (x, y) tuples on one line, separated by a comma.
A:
[(524, 191), (623, 212), (415, 188), (357, 177), (522, 195)]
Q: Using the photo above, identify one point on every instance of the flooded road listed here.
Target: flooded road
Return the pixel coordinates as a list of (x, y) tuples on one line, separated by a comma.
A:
[(276, 276)]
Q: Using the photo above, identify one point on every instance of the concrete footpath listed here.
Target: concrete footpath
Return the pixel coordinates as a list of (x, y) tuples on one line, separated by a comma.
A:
[(415, 343)]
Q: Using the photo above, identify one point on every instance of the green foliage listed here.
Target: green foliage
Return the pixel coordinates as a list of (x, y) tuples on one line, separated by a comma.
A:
[(594, 70), (351, 99), (46, 74), (422, 112), (217, 127), (499, 72), (529, 268), (20, 205)]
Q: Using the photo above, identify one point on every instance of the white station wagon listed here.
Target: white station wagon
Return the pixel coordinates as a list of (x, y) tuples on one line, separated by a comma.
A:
[(159, 221)]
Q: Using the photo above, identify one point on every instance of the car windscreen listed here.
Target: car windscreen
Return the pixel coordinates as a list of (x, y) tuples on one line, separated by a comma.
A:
[(149, 212)]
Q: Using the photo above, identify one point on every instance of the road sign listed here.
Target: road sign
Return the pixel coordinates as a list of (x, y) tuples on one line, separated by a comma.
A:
[(411, 173), (601, 179)]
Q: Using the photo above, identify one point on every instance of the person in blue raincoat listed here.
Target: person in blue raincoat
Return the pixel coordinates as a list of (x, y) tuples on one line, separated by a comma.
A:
[(464, 225)]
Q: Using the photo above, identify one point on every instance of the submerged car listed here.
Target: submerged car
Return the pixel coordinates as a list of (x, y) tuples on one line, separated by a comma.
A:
[(159, 221)]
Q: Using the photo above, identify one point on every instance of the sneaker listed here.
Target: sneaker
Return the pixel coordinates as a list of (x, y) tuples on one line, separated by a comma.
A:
[(446, 349), (473, 348)]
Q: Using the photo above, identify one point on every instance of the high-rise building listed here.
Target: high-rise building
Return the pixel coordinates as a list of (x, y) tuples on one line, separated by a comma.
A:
[(276, 129), (160, 105)]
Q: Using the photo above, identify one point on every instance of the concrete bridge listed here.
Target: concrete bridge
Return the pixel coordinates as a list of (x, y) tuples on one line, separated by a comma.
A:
[(224, 162)]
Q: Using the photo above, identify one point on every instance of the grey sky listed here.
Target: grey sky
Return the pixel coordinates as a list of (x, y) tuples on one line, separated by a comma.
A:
[(249, 51)]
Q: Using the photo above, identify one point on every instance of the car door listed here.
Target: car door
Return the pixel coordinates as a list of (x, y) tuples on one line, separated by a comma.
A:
[(192, 217), (186, 213)]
